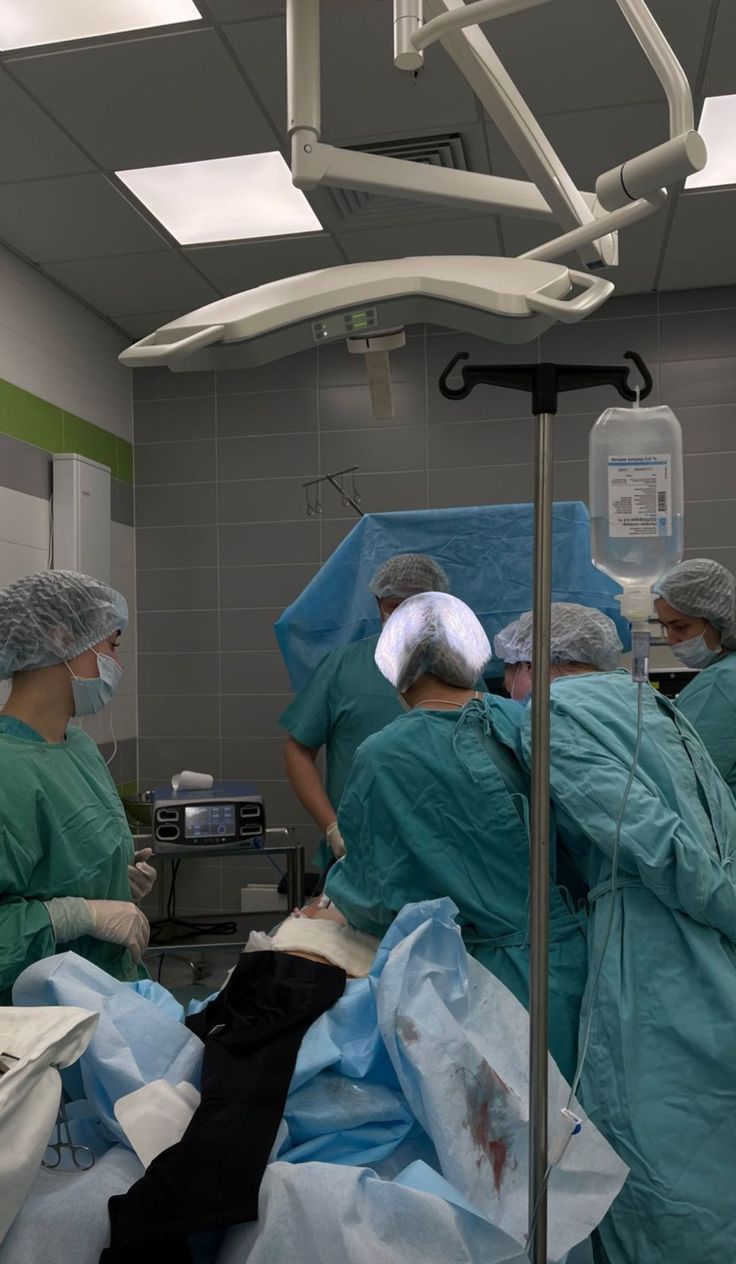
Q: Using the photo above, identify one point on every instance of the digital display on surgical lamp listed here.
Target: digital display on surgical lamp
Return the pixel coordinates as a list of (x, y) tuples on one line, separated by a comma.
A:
[(343, 324), (213, 820)]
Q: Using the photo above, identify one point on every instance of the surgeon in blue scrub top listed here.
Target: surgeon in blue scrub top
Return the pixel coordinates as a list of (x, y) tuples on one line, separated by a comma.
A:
[(659, 1079), (346, 700), (696, 605)]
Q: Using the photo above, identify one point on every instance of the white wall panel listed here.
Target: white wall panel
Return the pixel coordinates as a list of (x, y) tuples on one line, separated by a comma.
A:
[(17, 560), (24, 519), (53, 346)]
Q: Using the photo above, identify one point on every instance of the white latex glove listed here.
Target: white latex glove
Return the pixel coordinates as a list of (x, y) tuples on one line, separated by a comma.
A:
[(71, 917), (321, 910), (118, 922), (142, 877), (336, 840)]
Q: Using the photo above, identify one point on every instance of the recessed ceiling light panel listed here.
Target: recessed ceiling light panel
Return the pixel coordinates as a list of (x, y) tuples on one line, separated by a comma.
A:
[(224, 199), (718, 128), (28, 23)]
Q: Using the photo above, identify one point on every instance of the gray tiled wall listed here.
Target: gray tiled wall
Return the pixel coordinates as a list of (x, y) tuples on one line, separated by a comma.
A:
[(223, 541), (123, 759)]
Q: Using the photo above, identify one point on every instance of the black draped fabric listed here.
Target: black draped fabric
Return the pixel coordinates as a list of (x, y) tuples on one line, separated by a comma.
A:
[(252, 1032)]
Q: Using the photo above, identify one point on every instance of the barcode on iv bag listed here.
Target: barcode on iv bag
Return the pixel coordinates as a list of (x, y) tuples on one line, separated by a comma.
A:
[(639, 495)]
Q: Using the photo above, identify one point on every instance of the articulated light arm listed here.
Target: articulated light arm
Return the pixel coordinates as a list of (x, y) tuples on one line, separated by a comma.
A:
[(314, 163), (511, 300), (629, 182), (664, 63), (413, 34), (610, 222), (551, 194), (684, 152), (588, 220), (491, 83), (423, 35)]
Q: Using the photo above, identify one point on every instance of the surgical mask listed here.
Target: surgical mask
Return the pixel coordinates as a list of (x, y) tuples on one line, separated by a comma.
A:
[(695, 653), (94, 693)]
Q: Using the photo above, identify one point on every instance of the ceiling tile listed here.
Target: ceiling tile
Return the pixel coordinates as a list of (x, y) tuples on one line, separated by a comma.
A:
[(161, 99), (31, 145), (135, 283), (245, 265), (576, 54), (589, 142), (238, 10), (72, 217), (477, 235), (703, 227), (363, 95), (720, 71)]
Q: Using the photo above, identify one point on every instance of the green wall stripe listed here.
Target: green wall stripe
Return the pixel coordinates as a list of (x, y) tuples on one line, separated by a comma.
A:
[(25, 416), (92, 441)]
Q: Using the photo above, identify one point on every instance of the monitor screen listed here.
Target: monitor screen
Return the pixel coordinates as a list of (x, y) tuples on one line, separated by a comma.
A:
[(212, 820)]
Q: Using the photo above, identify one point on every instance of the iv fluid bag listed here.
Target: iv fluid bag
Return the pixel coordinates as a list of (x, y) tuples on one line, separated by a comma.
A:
[(636, 493)]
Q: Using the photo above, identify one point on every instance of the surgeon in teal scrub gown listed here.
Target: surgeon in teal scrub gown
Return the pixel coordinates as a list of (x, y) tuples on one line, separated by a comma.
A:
[(346, 700), (436, 805), (69, 877), (696, 605), (659, 1079)]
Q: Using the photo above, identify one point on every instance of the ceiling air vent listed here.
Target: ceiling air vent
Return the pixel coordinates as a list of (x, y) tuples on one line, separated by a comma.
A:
[(358, 209)]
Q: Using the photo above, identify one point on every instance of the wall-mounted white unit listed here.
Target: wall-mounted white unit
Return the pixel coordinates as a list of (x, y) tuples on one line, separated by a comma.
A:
[(82, 530)]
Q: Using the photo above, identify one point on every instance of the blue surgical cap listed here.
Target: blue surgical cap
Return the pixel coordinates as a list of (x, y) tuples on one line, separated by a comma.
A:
[(51, 616), (406, 574), (703, 589), (579, 634)]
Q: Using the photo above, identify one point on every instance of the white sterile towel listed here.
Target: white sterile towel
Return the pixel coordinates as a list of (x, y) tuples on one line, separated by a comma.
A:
[(156, 1116), (340, 945), (33, 1043)]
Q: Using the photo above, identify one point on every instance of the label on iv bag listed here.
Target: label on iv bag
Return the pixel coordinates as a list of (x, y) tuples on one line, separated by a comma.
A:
[(639, 496)]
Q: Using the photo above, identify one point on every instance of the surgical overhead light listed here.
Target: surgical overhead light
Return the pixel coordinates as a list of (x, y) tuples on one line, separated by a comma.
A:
[(510, 300), (507, 300)]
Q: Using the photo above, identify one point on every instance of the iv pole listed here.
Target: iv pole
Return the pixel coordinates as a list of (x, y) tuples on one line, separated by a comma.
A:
[(625, 193), (334, 481), (545, 382)]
